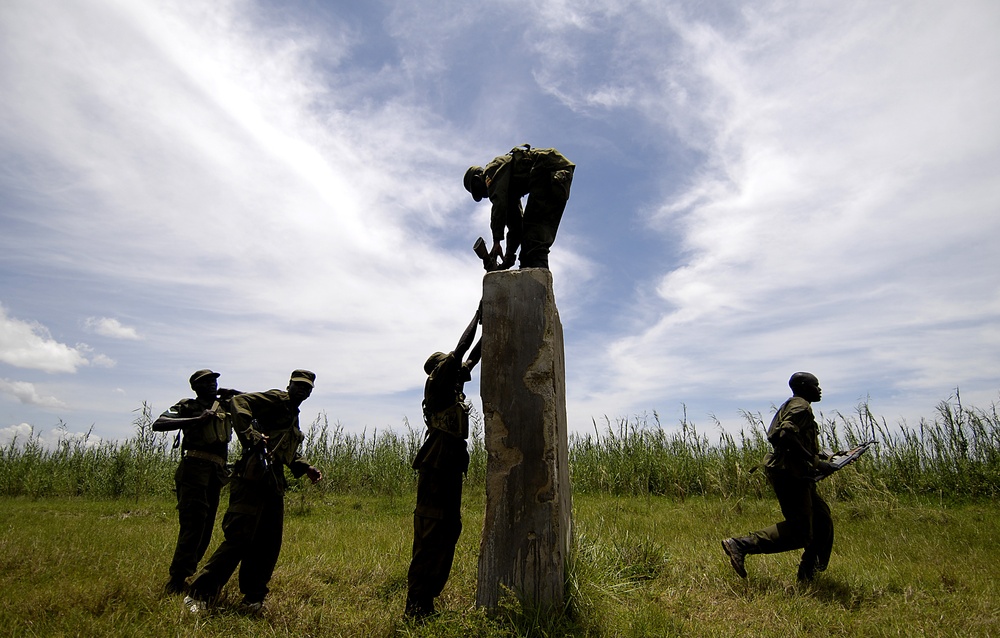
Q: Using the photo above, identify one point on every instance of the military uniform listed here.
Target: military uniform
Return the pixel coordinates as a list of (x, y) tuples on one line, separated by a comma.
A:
[(198, 480), (792, 469), (545, 176), (441, 462), (254, 521)]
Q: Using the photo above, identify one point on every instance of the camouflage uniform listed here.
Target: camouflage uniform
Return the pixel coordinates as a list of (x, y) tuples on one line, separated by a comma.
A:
[(198, 480), (441, 462), (545, 176), (254, 521)]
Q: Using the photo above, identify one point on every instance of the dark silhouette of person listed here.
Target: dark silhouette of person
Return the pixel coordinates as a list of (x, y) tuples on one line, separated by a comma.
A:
[(205, 424), (267, 425), (441, 462), (792, 468), (545, 176)]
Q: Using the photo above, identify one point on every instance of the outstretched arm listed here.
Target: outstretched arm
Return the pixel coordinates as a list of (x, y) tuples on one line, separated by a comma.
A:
[(474, 356), (469, 334)]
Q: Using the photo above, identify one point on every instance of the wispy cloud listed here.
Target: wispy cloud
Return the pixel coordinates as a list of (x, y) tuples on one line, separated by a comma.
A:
[(251, 187), (839, 214), (110, 327), (26, 393)]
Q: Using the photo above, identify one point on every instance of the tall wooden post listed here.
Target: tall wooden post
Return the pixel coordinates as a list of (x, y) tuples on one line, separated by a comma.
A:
[(528, 526)]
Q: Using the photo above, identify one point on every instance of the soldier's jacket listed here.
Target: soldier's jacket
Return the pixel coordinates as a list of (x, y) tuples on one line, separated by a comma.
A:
[(510, 177), (212, 437), (447, 417), (794, 435), (269, 413)]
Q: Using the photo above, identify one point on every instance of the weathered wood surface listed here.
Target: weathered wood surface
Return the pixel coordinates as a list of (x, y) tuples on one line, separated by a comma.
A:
[(527, 529)]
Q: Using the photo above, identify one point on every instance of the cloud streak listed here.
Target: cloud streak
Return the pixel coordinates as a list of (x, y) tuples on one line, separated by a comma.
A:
[(761, 187), (26, 393), (825, 218), (112, 328)]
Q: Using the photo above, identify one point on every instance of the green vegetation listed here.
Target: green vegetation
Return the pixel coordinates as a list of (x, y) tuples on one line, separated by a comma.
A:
[(87, 530), (955, 456)]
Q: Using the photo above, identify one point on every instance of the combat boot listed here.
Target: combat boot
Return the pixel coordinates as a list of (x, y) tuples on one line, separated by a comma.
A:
[(174, 587), (807, 571), (251, 607), (808, 568), (419, 609), (736, 549)]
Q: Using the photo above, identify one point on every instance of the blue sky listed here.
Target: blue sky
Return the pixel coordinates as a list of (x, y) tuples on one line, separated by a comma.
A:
[(761, 187)]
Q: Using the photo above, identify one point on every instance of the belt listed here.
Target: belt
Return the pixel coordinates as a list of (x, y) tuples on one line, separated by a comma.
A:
[(205, 456)]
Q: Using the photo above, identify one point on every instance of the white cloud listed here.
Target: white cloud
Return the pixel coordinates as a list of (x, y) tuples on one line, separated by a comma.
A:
[(270, 194), (26, 392), (26, 344), (18, 434), (21, 434), (111, 327), (841, 216), (102, 361)]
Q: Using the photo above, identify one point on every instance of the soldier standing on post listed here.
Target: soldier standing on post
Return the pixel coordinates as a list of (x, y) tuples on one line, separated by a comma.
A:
[(205, 424), (267, 424), (545, 176), (441, 462), (793, 469)]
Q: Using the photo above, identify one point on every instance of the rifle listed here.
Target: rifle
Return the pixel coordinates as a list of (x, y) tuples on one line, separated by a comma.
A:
[(840, 460), (490, 264), (260, 449)]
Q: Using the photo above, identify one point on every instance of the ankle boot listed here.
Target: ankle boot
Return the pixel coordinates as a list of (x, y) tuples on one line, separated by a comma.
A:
[(737, 550)]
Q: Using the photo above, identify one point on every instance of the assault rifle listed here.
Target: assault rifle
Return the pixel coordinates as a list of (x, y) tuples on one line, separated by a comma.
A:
[(260, 449), (840, 460)]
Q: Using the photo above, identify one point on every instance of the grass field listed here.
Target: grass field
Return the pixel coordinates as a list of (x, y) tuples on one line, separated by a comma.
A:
[(643, 566), (87, 530)]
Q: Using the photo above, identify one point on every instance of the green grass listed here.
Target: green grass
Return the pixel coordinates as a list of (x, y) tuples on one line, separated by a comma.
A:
[(643, 566), (87, 530), (955, 456)]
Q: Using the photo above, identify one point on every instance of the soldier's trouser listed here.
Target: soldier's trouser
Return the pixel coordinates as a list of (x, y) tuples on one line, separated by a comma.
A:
[(547, 197), (807, 525), (437, 525), (252, 526), (198, 485)]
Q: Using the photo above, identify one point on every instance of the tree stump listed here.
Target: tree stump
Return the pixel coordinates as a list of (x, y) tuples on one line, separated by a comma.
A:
[(527, 529)]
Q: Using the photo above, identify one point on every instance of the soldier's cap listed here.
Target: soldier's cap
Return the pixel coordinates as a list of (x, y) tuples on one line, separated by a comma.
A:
[(201, 374), (304, 376), (433, 361), (470, 176)]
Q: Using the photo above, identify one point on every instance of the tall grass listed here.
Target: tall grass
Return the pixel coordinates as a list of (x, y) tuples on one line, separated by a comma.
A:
[(955, 455), (140, 466)]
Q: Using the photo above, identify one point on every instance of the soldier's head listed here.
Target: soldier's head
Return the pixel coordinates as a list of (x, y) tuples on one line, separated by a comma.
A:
[(806, 386), (300, 385), (434, 361), (474, 182), (204, 383)]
